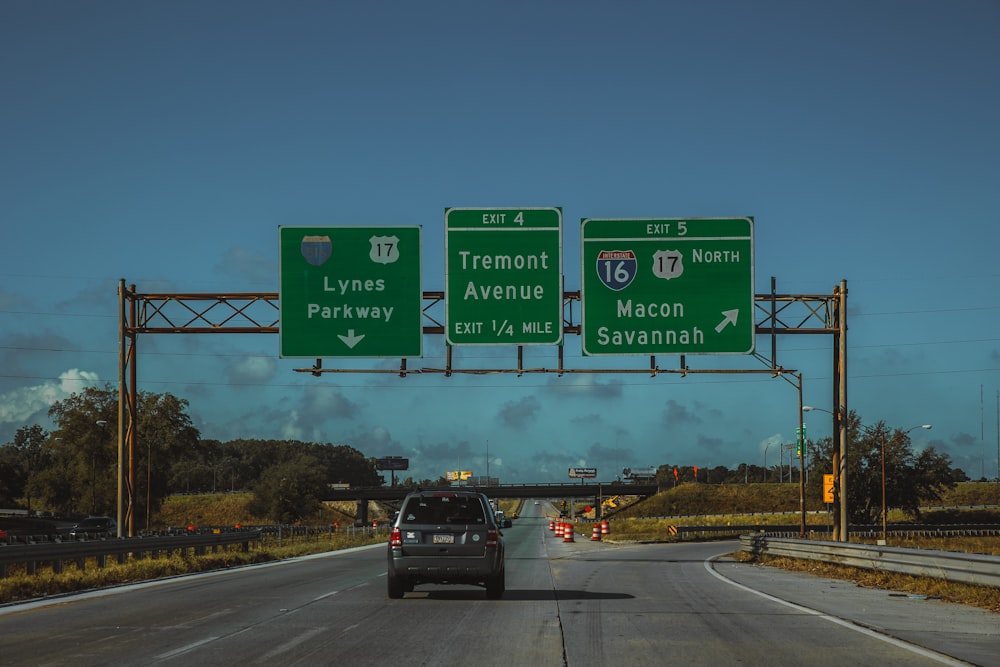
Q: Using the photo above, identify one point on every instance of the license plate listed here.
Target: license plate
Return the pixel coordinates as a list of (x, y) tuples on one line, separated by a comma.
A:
[(444, 539)]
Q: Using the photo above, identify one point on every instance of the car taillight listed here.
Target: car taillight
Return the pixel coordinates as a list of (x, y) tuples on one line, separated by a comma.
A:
[(396, 539), (492, 537)]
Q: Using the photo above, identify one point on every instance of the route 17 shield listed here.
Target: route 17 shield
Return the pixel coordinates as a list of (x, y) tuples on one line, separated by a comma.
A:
[(384, 249)]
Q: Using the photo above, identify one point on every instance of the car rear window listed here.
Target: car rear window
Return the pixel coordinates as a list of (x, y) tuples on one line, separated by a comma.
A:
[(443, 509)]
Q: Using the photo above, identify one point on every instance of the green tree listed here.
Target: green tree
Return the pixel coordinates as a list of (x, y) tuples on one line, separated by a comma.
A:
[(80, 474), (242, 463), (164, 434), (19, 460), (910, 477), (11, 484), (291, 491)]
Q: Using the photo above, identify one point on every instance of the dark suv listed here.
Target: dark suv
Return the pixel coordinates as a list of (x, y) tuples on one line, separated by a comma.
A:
[(446, 537)]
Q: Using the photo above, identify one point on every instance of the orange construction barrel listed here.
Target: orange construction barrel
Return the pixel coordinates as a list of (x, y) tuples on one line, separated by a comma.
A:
[(568, 533)]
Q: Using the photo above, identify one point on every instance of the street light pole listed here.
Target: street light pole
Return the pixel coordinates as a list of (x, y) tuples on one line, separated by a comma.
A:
[(882, 541), (93, 488), (839, 521), (802, 466), (765, 461)]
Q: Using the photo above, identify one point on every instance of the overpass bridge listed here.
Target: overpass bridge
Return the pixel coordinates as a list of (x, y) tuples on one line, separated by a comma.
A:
[(596, 490)]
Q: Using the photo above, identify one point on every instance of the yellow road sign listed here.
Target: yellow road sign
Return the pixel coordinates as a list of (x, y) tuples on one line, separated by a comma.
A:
[(828, 486)]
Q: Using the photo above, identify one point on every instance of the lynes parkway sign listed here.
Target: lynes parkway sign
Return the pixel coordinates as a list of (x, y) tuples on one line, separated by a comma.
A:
[(350, 292)]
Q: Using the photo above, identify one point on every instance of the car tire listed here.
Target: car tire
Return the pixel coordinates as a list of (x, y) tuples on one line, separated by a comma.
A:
[(395, 587), (495, 586)]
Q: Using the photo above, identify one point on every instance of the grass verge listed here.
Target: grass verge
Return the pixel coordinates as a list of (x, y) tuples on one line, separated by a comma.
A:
[(984, 597), (19, 586)]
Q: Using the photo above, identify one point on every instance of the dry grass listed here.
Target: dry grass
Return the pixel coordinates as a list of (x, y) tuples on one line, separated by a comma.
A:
[(215, 509), (984, 597), (222, 509), (18, 585)]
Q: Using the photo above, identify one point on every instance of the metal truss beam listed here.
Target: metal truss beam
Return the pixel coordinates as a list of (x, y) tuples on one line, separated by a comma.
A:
[(258, 313)]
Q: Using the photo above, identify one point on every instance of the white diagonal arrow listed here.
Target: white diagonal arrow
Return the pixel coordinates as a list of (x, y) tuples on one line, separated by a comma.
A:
[(350, 340), (729, 317)]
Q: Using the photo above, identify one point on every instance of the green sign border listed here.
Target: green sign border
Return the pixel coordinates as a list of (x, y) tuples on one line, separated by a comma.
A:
[(493, 322), (396, 285), (646, 236)]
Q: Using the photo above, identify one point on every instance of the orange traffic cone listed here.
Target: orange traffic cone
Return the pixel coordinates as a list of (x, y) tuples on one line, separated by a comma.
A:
[(568, 533)]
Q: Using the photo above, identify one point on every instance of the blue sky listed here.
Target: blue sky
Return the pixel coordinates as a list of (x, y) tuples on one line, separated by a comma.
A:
[(165, 143)]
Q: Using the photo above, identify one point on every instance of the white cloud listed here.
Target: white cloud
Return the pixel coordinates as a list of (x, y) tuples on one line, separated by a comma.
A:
[(252, 370), (771, 444), (21, 404)]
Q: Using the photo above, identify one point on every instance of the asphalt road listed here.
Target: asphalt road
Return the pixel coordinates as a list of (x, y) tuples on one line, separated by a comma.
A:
[(578, 604)]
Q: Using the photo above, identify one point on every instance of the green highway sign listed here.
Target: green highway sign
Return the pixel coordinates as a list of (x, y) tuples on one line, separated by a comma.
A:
[(671, 286), (350, 292), (503, 276)]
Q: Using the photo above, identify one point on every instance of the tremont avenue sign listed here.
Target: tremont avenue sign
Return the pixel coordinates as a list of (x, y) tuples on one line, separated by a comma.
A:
[(671, 286), (350, 292), (503, 276)]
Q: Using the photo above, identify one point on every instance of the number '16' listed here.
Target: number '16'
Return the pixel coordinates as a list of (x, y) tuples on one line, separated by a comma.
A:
[(619, 275)]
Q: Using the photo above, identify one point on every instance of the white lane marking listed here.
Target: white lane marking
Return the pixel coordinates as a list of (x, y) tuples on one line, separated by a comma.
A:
[(289, 645), (184, 649), (325, 595), (850, 625)]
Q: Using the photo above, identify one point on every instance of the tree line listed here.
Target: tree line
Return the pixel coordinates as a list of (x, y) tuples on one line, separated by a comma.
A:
[(73, 469), (911, 477)]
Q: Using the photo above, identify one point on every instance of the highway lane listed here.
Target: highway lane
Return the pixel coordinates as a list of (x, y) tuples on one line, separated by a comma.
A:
[(680, 604), (578, 604)]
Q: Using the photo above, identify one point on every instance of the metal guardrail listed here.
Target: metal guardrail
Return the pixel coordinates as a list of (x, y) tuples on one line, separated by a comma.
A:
[(57, 553), (975, 569), (857, 530)]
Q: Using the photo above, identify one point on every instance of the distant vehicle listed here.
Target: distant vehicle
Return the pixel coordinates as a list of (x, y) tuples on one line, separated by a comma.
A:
[(537, 502), (446, 537), (95, 526)]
